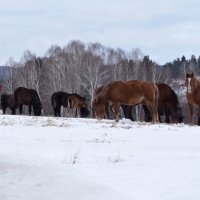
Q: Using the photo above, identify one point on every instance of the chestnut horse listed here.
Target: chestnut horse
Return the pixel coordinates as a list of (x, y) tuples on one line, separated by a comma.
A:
[(78, 103), (193, 95), (128, 93), (29, 97), (7, 101), (168, 105), (107, 104)]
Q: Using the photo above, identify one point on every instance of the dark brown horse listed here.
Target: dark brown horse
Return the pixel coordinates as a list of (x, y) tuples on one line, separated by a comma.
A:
[(59, 99), (168, 105), (78, 103), (193, 95), (7, 101), (29, 97), (128, 93)]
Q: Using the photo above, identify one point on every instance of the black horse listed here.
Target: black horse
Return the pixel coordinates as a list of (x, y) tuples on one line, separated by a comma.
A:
[(59, 99), (7, 101), (29, 97)]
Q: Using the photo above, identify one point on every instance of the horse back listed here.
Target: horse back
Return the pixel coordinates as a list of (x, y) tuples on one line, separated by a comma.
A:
[(131, 92), (22, 96), (60, 98), (26, 96), (76, 100), (167, 95)]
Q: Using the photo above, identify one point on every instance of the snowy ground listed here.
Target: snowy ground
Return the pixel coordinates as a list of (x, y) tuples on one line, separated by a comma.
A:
[(46, 158)]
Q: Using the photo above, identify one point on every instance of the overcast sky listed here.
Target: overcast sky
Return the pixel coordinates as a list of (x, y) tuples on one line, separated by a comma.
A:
[(164, 30)]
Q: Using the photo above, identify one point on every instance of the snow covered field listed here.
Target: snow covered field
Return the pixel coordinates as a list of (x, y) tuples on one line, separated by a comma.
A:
[(46, 158)]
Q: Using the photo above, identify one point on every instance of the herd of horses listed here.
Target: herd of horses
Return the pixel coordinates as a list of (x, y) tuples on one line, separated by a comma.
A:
[(156, 99), (24, 96)]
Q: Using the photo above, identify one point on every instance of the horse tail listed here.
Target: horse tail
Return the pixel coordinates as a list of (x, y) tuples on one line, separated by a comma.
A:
[(70, 101), (53, 103)]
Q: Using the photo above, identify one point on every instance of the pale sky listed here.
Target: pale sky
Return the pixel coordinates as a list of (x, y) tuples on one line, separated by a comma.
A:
[(164, 30)]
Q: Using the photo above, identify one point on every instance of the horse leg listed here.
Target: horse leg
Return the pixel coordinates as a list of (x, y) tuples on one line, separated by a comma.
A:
[(198, 116), (75, 113), (147, 114), (167, 118), (115, 109), (58, 110), (55, 111), (20, 108), (107, 114), (30, 109), (127, 110), (13, 109), (153, 110), (167, 111), (4, 110), (173, 112), (191, 113)]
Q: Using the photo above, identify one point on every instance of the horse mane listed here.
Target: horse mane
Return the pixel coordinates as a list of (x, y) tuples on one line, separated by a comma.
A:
[(101, 93), (196, 83)]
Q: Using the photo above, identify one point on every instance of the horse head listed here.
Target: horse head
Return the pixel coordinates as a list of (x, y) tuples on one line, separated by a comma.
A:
[(99, 101), (37, 105), (189, 83)]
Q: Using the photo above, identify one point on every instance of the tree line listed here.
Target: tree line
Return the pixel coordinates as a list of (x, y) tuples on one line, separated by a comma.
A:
[(80, 68)]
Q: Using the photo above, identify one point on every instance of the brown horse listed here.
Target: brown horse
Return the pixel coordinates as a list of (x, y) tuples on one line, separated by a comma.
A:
[(29, 97), (128, 93), (193, 95), (168, 105), (78, 103), (107, 104), (7, 101)]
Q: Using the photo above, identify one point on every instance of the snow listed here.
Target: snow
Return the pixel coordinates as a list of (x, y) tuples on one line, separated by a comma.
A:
[(47, 158)]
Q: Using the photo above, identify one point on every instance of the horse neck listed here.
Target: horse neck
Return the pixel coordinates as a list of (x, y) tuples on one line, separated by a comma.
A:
[(36, 98), (103, 95), (106, 95), (196, 84)]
